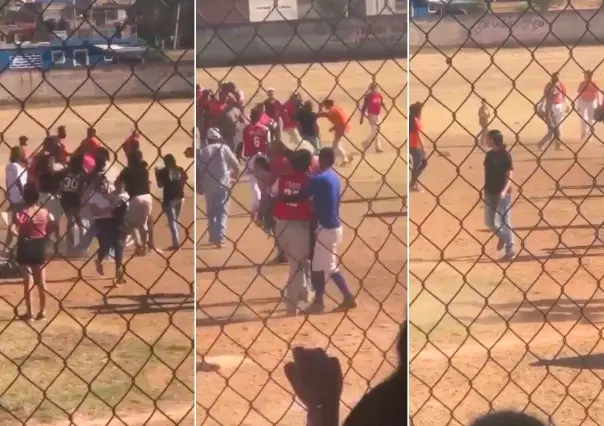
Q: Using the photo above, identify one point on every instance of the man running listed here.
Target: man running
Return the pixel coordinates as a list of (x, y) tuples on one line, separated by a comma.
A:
[(339, 127), (172, 180)]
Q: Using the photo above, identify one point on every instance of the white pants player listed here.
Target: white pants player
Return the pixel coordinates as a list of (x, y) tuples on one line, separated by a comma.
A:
[(586, 110), (255, 193), (554, 120), (374, 126), (325, 256)]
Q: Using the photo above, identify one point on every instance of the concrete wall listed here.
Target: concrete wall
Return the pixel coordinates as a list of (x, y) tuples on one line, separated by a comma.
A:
[(302, 41), (554, 28), (97, 85)]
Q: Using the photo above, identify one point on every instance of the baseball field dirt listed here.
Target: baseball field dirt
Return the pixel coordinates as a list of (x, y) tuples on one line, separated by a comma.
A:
[(487, 334), (241, 325), (104, 351)]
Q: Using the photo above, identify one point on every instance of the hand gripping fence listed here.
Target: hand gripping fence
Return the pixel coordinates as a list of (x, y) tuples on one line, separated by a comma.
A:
[(101, 351), (245, 330), (520, 332)]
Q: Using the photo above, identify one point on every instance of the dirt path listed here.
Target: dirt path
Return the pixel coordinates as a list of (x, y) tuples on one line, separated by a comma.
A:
[(240, 322), (110, 338), (526, 336)]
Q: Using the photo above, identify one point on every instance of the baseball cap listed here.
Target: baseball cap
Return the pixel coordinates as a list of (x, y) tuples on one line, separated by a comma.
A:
[(213, 134)]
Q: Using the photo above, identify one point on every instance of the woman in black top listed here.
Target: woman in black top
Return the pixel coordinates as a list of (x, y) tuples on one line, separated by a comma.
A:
[(134, 179), (498, 168)]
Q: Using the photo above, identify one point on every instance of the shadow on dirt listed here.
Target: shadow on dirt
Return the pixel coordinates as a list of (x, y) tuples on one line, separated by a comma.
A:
[(587, 362), (580, 311), (142, 304)]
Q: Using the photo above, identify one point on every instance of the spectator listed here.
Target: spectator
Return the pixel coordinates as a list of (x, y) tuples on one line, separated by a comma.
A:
[(216, 165)]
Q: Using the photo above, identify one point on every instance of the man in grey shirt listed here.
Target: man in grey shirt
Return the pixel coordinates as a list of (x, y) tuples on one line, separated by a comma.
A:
[(229, 121), (216, 164)]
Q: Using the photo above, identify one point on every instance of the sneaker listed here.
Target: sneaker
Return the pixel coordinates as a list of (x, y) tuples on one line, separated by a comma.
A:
[(509, 256), (26, 317), (315, 308), (100, 269), (41, 316), (347, 304)]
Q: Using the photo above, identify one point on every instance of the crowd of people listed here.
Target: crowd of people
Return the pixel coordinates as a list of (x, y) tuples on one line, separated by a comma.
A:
[(294, 192), (115, 208)]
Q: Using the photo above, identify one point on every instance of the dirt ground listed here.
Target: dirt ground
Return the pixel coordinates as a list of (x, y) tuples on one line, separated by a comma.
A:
[(123, 347), (240, 322), (525, 334)]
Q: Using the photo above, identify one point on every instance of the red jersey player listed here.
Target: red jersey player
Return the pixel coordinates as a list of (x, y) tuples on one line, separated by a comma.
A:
[(255, 136), (372, 109), (292, 227), (288, 117)]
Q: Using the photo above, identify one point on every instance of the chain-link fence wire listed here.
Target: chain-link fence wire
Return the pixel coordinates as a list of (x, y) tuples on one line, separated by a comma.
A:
[(520, 332), (244, 332), (95, 348)]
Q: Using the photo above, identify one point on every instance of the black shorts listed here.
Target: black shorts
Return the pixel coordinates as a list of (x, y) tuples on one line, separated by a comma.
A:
[(31, 251), (71, 206)]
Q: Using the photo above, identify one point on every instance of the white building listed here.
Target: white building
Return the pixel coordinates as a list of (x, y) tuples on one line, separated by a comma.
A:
[(273, 10)]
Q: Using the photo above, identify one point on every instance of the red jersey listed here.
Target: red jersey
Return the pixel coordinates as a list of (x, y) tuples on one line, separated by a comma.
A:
[(255, 140), (373, 103), (288, 114), (265, 120), (131, 144), (291, 184), (558, 92), (215, 108), (279, 165)]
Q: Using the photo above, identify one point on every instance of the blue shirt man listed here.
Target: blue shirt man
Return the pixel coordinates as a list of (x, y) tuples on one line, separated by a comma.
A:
[(324, 190)]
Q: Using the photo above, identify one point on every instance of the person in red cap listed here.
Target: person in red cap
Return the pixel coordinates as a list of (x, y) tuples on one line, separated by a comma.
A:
[(132, 143), (90, 144)]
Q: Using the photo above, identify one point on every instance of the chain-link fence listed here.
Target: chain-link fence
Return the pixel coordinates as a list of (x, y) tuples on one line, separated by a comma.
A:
[(505, 284), (245, 331), (96, 346)]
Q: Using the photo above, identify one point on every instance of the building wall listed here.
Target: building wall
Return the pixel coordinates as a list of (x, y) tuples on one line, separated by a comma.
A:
[(217, 12)]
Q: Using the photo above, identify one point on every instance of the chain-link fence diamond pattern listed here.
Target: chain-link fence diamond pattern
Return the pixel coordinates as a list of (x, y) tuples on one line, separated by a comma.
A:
[(103, 354), (488, 333), (244, 335)]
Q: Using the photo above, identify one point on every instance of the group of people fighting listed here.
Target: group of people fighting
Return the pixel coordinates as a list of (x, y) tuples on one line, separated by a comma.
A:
[(45, 185), (294, 191), (293, 121)]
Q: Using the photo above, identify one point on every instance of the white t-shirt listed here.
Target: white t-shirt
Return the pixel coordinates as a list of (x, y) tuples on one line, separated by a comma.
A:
[(101, 201), (14, 172)]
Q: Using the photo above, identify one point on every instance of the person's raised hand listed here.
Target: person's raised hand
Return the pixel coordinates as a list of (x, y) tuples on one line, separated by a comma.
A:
[(317, 380)]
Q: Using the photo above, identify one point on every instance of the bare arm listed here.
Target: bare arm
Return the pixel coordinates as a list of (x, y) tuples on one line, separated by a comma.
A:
[(508, 183)]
